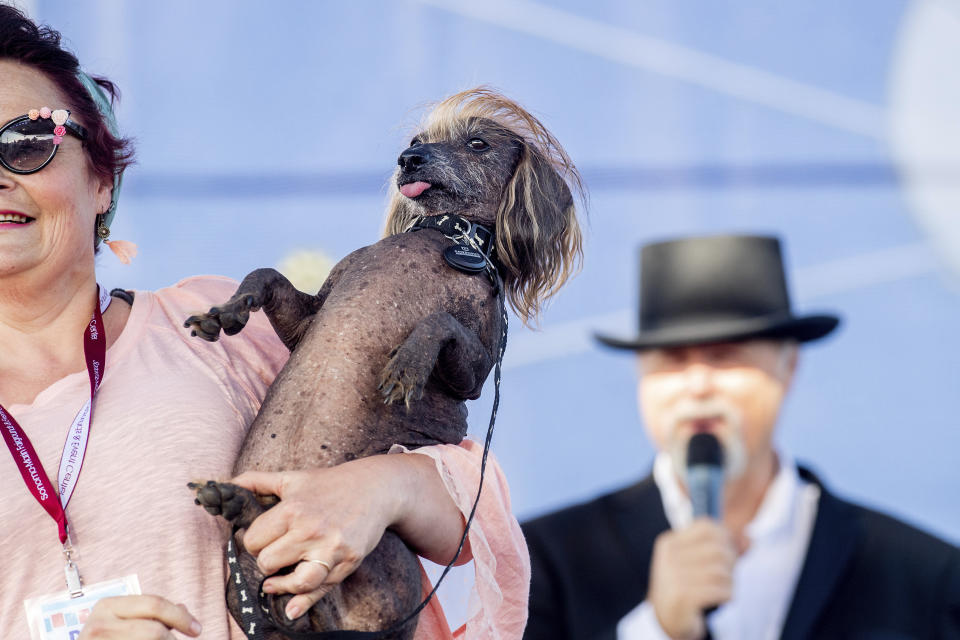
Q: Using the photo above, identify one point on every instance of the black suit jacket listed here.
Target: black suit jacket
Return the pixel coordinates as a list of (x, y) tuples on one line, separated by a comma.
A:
[(865, 576)]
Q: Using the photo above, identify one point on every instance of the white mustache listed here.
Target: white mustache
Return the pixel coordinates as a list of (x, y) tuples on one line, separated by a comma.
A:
[(731, 440)]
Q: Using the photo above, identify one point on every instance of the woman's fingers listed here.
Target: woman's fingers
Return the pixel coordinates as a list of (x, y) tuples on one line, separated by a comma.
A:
[(138, 617), (265, 483), (175, 616), (310, 580), (289, 549), (300, 604), (266, 530), (272, 523), (138, 629), (306, 577)]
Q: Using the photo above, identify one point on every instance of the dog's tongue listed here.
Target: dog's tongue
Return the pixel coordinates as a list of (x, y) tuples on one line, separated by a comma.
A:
[(414, 189)]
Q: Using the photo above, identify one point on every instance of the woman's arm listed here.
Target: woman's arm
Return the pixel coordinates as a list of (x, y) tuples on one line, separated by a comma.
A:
[(133, 617)]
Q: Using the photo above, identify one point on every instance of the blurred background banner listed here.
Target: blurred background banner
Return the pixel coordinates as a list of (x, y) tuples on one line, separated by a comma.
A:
[(269, 129)]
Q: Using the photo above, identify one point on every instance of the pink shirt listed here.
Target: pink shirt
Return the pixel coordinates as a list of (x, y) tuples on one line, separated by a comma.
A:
[(173, 409)]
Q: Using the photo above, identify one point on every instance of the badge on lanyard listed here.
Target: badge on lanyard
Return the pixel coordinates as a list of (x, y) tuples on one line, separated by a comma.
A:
[(61, 616), (58, 616)]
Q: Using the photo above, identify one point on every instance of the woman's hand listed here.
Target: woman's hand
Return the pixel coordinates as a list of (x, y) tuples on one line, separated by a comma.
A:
[(328, 520), (138, 618)]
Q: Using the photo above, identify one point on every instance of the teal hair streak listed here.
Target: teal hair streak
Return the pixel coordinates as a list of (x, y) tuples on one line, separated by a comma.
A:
[(103, 105)]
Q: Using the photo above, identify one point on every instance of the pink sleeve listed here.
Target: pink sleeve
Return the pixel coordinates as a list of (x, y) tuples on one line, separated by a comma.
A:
[(253, 357), (497, 609)]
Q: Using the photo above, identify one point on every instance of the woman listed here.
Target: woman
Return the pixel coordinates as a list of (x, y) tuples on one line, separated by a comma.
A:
[(166, 410)]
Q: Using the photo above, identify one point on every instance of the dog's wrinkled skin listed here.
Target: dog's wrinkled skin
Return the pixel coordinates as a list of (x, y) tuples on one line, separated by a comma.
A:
[(396, 339)]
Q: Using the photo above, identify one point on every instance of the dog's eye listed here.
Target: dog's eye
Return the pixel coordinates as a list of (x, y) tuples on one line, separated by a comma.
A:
[(415, 142), (477, 144)]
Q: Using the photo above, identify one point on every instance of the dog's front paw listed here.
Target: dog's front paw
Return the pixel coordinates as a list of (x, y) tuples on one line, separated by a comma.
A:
[(404, 377), (205, 325), (232, 317), (235, 313)]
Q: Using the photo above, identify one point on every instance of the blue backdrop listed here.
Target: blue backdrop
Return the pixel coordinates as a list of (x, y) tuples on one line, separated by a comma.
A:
[(267, 127)]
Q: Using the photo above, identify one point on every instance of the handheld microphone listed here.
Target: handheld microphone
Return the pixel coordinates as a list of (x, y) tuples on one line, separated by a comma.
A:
[(705, 475), (705, 479)]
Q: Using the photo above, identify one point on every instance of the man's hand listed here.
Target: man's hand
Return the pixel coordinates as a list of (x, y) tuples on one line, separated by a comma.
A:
[(691, 570), (138, 618)]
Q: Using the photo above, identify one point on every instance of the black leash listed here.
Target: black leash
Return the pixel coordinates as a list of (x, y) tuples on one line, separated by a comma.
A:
[(471, 253), (251, 620)]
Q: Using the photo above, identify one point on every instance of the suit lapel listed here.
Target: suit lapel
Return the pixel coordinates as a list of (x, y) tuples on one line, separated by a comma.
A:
[(834, 538), (637, 517)]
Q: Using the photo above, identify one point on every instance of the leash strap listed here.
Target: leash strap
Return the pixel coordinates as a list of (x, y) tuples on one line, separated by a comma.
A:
[(253, 624)]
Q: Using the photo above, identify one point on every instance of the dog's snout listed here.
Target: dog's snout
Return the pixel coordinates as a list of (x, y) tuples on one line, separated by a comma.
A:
[(414, 157)]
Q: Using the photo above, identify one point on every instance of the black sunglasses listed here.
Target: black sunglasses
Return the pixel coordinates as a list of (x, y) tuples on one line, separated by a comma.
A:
[(28, 143)]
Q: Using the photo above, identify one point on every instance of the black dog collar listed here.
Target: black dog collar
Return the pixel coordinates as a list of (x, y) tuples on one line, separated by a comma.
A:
[(473, 242)]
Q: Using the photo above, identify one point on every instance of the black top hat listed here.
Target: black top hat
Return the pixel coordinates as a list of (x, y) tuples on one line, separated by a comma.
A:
[(716, 289)]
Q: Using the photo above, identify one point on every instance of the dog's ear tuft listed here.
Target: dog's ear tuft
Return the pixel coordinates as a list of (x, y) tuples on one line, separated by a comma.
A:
[(539, 244)]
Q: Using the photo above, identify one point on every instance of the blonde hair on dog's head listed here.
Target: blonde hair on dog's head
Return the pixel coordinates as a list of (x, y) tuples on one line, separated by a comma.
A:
[(538, 238)]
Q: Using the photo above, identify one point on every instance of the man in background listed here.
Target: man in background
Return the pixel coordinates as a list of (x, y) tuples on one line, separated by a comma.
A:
[(717, 351)]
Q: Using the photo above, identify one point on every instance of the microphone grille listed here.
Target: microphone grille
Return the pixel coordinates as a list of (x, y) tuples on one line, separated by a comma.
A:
[(704, 448)]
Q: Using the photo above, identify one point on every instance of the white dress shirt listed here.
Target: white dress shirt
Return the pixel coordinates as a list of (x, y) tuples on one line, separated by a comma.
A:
[(764, 577)]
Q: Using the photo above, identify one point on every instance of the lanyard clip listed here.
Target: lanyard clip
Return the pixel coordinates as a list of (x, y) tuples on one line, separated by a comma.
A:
[(72, 573)]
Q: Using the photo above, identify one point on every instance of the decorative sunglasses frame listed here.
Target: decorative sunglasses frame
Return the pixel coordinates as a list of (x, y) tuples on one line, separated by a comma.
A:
[(61, 128)]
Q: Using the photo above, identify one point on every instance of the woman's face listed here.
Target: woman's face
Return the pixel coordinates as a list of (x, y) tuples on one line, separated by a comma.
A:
[(60, 201)]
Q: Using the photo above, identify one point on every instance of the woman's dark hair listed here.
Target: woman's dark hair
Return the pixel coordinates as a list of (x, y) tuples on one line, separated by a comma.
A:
[(23, 41)]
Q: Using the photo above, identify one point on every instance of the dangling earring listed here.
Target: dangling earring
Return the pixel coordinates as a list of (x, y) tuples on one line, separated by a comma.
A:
[(125, 251), (103, 231)]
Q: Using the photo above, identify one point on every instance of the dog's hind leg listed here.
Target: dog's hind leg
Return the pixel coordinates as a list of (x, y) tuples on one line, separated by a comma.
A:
[(237, 505), (290, 310), (439, 342), (384, 589), (240, 507)]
